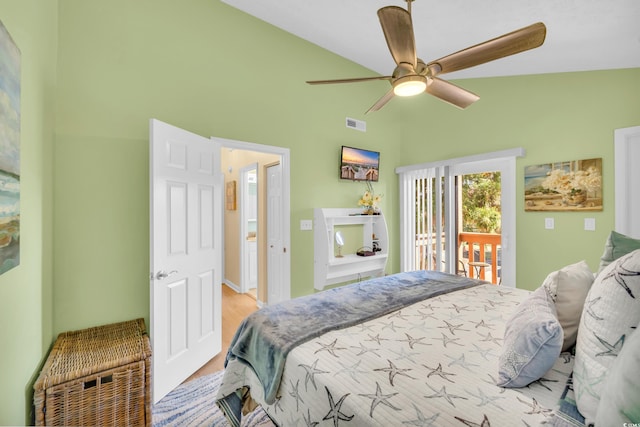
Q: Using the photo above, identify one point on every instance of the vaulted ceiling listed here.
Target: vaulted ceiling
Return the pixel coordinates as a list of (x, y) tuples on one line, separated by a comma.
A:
[(581, 34)]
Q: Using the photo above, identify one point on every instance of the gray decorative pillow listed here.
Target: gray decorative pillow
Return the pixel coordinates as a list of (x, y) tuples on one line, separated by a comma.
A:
[(532, 341), (569, 287), (611, 313), (620, 401), (617, 245)]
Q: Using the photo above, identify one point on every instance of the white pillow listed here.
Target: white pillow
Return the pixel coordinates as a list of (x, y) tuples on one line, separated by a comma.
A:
[(569, 288), (611, 312), (620, 401)]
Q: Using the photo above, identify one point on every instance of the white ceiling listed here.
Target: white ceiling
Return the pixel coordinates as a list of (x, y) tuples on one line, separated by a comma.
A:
[(581, 34)]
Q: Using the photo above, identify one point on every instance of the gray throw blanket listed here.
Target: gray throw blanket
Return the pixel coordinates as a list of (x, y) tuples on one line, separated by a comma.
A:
[(265, 337)]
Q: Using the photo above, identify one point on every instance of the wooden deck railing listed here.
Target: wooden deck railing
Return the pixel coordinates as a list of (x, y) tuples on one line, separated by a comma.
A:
[(485, 248), (476, 247)]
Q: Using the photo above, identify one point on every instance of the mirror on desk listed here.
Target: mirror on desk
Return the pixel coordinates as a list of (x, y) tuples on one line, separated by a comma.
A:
[(340, 243)]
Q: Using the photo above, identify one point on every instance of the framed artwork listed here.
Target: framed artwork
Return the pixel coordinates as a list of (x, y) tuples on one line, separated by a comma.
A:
[(574, 185), (9, 152), (230, 196)]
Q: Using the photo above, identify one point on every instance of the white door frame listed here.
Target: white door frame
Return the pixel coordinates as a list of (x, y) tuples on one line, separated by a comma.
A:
[(284, 284), (627, 198)]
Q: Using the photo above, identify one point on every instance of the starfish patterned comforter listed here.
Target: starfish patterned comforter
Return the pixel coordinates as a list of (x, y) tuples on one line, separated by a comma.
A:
[(430, 363)]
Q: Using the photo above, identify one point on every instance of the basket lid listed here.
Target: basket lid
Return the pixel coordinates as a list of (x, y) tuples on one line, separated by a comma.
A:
[(77, 354)]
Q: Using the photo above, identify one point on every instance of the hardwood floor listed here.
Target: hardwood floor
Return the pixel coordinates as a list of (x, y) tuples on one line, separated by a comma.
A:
[(235, 307)]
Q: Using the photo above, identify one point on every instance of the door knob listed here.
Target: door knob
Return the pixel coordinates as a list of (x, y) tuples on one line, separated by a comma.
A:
[(163, 274)]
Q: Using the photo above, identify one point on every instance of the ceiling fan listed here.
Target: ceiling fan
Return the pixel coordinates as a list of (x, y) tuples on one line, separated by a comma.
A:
[(412, 76)]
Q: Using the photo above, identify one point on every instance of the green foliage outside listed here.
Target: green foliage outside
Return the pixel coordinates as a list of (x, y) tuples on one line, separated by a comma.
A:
[(481, 202)]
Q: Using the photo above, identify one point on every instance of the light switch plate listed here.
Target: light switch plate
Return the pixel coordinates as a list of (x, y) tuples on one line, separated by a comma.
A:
[(306, 224), (590, 224), (549, 223)]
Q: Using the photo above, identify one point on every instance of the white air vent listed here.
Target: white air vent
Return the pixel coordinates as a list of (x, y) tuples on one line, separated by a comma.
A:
[(356, 124)]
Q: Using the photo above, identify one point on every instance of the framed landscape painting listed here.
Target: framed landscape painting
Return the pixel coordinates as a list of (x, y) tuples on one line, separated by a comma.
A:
[(9, 152), (574, 185)]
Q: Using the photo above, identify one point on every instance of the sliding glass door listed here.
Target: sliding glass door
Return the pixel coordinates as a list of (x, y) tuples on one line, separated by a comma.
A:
[(434, 234)]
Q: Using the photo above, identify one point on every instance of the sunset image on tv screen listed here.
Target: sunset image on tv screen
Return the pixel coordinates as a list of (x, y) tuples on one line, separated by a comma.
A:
[(359, 165)]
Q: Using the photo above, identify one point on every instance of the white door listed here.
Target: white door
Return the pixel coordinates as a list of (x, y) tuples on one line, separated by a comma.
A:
[(249, 227), (275, 246), (186, 254)]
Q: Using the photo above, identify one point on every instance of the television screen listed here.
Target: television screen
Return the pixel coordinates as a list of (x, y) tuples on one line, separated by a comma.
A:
[(357, 164)]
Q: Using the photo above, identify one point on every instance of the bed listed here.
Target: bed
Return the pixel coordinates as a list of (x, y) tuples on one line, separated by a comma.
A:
[(429, 357), (429, 348)]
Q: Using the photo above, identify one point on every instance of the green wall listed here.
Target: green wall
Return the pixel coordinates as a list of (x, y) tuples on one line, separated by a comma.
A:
[(213, 70), (119, 66), (555, 117), (25, 291)]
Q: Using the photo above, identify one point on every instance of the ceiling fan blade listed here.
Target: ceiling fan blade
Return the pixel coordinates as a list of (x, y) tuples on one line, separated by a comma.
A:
[(355, 80), (398, 31), (451, 93), (508, 44), (381, 102)]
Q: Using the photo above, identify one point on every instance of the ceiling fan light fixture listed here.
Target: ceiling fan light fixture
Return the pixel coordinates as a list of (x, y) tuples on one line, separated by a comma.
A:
[(409, 85), (412, 76)]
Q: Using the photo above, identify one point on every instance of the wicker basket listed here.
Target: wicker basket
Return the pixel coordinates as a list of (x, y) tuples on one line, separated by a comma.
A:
[(97, 377)]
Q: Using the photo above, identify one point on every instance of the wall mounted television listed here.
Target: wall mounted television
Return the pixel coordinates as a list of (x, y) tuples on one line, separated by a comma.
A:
[(357, 164)]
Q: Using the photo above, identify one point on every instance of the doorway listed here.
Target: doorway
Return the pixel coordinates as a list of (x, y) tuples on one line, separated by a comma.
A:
[(247, 232), (272, 235), (479, 225), (189, 198)]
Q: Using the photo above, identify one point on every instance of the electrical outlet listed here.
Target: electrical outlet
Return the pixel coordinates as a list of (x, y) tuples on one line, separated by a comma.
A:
[(306, 224), (549, 223)]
